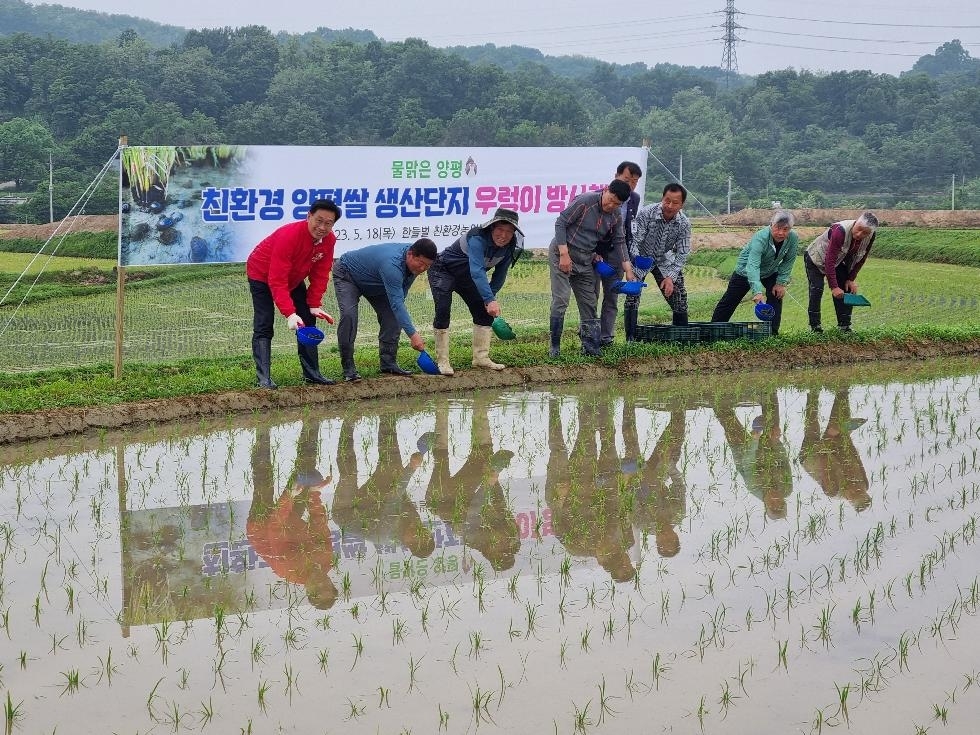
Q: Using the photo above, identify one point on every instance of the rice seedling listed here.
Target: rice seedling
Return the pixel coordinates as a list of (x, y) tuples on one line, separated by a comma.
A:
[(503, 686), (609, 628), (57, 643), (443, 719), (106, 668), (481, 706), (72, 681), (781, 647), (354, 709), (398, 631), (205, 713), (581, 719), (842, 695), (292, 681), (477, 644), (173, 716), (413, 670), (702, 711), (657, 669), (358, 646), (531, 618), (605, 703)]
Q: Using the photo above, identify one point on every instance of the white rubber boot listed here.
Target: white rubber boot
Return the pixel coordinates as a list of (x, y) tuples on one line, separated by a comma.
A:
[(481, 349), (442, 351)]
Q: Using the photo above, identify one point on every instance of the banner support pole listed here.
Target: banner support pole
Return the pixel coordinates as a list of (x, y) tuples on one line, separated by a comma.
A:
[(120, 284)]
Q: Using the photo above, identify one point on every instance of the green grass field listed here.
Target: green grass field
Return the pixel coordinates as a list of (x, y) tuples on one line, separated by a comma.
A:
[(195, 321), (12, 264)]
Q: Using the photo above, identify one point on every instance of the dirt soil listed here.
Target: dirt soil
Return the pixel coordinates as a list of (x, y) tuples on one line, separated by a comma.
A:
[(692, 364), (741, 224)]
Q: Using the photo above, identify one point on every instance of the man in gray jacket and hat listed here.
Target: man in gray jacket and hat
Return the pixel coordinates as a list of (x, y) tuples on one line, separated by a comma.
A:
[(587, 220), (462, 268)]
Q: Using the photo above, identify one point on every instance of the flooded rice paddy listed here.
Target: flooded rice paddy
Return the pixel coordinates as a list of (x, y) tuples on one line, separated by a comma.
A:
[(772, 553)]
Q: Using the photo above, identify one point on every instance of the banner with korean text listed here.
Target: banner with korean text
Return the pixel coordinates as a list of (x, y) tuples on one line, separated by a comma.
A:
[(213, 204)]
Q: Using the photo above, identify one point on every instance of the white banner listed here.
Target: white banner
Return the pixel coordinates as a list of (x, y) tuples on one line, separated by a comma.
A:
[(213, 204)]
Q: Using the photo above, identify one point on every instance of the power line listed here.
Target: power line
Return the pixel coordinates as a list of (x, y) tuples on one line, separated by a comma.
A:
[(838, 21), (862, 51), (590, 29), (842, 38)]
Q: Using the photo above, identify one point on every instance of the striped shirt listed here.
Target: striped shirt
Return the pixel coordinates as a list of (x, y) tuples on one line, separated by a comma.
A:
[(667, 242)]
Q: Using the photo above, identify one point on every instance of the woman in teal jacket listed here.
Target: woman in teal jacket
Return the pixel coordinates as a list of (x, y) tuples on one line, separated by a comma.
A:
[(764, 268)]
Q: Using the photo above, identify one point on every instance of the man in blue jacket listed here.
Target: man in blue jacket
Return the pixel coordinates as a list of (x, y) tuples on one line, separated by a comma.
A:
[(382, 274)]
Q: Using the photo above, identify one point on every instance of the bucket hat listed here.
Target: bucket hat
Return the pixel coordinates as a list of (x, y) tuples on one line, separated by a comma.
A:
[(503, 215)]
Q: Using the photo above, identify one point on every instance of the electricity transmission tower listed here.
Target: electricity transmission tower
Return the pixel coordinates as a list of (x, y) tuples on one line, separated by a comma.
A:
[(729, 62)]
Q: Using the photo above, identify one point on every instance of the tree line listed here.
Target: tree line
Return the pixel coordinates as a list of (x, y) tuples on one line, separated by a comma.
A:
[(803, 138)]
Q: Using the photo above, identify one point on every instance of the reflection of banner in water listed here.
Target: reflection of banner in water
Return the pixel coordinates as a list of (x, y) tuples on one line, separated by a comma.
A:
[(179, 563), (207, 204)]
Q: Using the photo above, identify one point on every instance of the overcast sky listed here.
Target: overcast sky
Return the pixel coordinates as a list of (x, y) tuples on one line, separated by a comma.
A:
[(879, 35)]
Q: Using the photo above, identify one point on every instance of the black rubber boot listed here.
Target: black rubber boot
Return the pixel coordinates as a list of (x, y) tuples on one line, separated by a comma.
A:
[(262, 352), (680, 320), (388, 358), (843, 313), (557, 327), (347, 364), (631, 316), (309, 360), (589, 332)]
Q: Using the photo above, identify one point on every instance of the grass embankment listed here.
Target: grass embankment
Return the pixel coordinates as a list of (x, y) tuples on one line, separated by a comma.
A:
[(172, 312), (95, 386)]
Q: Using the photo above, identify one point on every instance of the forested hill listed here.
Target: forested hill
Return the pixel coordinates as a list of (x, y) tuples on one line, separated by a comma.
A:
[(805, 139), (80, 26), (89, 26)]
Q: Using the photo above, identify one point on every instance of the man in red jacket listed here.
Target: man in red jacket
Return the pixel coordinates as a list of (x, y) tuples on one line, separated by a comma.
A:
[(277, 271)]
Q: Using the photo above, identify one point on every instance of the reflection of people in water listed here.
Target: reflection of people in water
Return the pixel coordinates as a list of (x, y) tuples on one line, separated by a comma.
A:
[(291, 533), (583, 490), (760, 455), (472, 502), (380, 510), (661, 499), (832, 459)]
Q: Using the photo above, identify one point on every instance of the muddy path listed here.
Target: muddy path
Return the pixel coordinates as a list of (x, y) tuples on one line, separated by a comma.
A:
[(691, 365)]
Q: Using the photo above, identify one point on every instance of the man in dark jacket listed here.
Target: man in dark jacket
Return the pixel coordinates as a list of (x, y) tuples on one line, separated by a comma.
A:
[(589, 219), (630, 173)]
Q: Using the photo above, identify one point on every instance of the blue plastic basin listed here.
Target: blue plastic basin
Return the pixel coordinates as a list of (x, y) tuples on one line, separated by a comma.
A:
[(310, 336)]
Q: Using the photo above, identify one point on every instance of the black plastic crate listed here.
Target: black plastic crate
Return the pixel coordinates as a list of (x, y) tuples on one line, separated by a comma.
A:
[(757, 330), (703, 332), (720, 331), (667, 333)]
